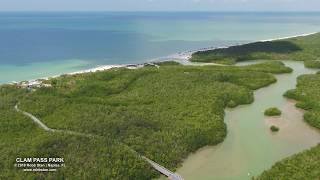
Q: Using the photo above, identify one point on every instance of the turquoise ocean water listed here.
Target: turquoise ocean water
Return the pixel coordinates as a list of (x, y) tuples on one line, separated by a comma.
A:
[(41, 44)]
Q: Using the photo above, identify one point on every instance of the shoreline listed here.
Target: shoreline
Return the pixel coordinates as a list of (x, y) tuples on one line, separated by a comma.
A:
[(181, 57)]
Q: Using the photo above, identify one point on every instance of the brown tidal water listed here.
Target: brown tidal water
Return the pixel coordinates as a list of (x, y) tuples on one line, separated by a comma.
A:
[(250, 147)]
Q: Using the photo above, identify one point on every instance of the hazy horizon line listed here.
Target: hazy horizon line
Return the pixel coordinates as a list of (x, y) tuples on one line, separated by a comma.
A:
[(200, 11)]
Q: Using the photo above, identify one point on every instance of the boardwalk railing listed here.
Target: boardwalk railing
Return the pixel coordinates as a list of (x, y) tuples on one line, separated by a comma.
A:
[(171, 175)]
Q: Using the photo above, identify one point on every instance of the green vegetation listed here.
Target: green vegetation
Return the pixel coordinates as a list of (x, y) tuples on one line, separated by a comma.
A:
[(273, 111), (232, 104), (305, 165), (312, 64), (300, 48), (167, 63), (302, 166), (307, 94), (274, 128), (163, 113)]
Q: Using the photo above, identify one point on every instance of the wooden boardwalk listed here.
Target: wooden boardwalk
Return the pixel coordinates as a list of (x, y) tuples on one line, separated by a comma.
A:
[(171, 175)]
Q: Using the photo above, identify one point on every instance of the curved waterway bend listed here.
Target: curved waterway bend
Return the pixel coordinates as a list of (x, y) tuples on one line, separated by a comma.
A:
[(250, 147)]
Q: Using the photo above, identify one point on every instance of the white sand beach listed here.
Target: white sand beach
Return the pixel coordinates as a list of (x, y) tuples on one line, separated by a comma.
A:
[(181, 57)]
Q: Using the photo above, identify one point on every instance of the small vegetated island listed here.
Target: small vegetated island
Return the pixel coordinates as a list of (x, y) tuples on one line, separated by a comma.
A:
[(274, 128), (162, 113), (273, 111)]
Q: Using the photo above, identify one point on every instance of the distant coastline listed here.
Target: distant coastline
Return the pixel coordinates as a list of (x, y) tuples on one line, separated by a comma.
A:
[(181, 57)]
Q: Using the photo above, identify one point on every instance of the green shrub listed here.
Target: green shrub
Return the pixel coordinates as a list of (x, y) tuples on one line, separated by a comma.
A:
[(167, 63), (312, 64), (272, 112), (232, 104), (292, 94), (274, 128)]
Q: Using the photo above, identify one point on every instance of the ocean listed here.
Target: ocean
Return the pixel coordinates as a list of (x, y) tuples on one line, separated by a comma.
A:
[(41, 44)]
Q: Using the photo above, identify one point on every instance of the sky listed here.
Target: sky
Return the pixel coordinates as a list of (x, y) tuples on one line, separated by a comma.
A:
[(159, 5)]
